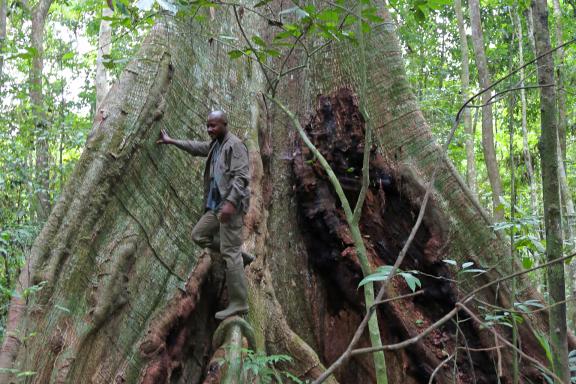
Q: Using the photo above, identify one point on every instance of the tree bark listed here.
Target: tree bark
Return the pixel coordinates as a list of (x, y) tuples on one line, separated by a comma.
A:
[(117, 242), (525, 145), (104, 49), (2, 36), (551, 190), (560, 92), (487, 115), (42, 168), (467, 118)]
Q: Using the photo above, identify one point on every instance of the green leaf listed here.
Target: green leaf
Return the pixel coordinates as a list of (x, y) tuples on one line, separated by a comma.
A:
[(371, 14), (383, 272), (329, 15), (411, 280), (273, 52), (68, 55), (419, 15), (259, 41), (235, 54), (527, 262), (372, 278)]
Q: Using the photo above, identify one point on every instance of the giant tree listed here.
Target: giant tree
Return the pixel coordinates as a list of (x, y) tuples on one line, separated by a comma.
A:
[(102, 304)]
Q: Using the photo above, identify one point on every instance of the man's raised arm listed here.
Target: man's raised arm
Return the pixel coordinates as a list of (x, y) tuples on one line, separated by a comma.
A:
[(196, 148)]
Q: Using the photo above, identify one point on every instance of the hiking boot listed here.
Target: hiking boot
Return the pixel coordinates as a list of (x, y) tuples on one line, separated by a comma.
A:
[(237, 294)]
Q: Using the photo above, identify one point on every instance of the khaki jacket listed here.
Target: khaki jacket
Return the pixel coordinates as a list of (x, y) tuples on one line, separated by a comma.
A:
[(232, 169)]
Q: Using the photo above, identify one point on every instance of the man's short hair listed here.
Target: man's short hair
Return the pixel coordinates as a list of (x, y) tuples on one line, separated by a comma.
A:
[(219, 114)]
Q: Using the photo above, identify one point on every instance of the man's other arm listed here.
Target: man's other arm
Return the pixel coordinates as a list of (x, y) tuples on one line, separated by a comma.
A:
[(240, 174)]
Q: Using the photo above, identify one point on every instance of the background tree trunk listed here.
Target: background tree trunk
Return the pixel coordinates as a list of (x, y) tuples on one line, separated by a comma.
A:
[(525, 145), (104, 49), (467, 118), (560, 91), (487, 115), (551, 190), (42, 203), (2, 36), (118, 241)]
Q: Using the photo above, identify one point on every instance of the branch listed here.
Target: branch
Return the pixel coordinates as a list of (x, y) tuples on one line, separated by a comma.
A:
[(506, 91), (510, 74), (251, 46), (513, 275), (503, 339), (413, 340)]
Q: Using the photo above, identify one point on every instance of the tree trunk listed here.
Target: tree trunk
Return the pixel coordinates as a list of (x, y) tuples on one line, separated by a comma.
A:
[(525, 146), (551, 190), (487, 115), (118, 241), (467, 118), (3, 20), (566, 194), (104, 49), (530, 27), (42, 203), (560, 91)]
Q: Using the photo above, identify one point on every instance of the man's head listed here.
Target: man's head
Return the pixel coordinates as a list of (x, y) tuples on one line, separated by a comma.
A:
[(217, 124)]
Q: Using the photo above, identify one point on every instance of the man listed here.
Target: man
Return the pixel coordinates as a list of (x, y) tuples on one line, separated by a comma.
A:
[(226, 200)]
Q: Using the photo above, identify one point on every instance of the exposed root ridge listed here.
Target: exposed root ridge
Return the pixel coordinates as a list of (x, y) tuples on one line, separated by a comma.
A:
[(220, 334), (167, 335)]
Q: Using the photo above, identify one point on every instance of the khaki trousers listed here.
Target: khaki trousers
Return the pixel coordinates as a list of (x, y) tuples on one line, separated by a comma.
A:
[(225, 238)]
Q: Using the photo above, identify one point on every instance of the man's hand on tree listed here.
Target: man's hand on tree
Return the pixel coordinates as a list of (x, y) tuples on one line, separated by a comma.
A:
[(164, 138), (228, 209)]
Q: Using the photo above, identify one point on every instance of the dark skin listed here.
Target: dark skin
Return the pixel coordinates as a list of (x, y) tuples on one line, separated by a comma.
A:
[(217, 127)]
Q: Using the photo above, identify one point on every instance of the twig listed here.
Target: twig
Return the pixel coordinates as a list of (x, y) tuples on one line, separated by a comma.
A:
[(399, 297), (437, 369)]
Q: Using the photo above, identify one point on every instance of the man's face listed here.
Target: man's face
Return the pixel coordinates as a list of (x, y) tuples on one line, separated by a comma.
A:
[(216, 127)]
